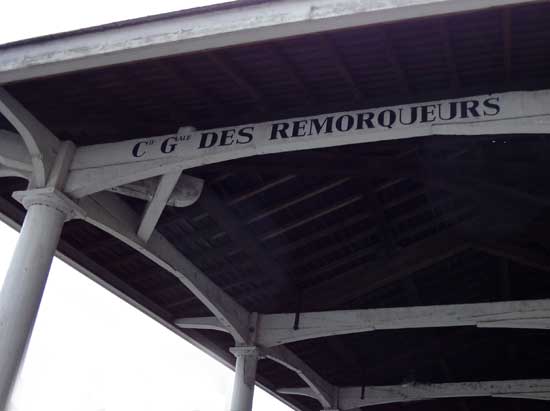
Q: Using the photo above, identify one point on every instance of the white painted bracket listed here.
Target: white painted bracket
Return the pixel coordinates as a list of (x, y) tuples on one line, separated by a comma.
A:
[(40, 142), (186, 191), (154, 208)]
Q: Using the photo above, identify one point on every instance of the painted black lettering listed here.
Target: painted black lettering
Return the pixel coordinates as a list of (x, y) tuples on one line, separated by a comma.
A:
[(345, 123), (246, 133), (469, 106), (135, 150), (279, 130), (365, 119), (227, 137), (427, 113), (208, 139), (299, 128), (492, 104), (387, 118), (168, 145), (316, 127), (413, 116), (452, 111)]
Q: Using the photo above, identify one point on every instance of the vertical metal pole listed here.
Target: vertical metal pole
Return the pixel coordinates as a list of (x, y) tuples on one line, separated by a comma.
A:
[(24, 283), (245, 377)]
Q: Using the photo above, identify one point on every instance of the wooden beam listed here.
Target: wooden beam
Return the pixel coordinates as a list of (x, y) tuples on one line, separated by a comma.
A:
[(507, 42), (277, 329), (223, 65), (246, 240), (109, 213), (342, 67), (154, 208), (449, 55), (361, 281), (350, 397), (518, 254), (14, 154), (181, 33), (186, 191), (41, 143), (322, 390), (395, 64)]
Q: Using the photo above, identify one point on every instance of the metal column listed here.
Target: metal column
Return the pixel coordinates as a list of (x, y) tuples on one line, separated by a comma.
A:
[(245, 377), (26, 278)]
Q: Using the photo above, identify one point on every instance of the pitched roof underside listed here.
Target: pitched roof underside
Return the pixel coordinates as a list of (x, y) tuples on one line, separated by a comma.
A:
[(436, 220)]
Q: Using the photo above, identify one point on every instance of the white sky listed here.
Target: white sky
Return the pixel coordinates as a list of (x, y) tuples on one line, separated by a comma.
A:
[(91, 351)]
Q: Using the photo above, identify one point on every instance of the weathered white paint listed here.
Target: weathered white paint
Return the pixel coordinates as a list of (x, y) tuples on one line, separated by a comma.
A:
[(172, 34), (321, 389), (130, 299), (40, 142), (26, 277), (276, 329), (14, 154), (109, 213), (154, 208), (101, 166), (200, 323), (186, 192), (352, 398), (245, 376)]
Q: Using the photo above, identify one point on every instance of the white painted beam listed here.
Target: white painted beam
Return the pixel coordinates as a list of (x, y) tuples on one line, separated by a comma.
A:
[(186, 192), (277, 329), (154, 208), (40, 142), (190, 32), (350, 398), (200, 323), (13, 153), (322, 390), (103, 166), (109, 213)]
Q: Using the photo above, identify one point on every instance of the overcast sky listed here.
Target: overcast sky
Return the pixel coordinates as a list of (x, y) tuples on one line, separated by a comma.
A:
[(91, 351)]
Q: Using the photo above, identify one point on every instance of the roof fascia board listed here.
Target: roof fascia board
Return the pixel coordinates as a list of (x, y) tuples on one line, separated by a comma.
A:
[(215, 29)]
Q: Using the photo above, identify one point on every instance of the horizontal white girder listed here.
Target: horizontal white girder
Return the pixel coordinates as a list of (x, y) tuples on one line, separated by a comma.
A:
[(278, 329), (173, 34), (102, 166), (355, 397)]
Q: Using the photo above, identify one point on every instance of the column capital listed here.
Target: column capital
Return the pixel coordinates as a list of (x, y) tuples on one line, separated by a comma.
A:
[(245, 351), (50, 197)]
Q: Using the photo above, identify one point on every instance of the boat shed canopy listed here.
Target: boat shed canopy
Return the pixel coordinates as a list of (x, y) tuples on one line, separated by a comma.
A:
[(360, 156)]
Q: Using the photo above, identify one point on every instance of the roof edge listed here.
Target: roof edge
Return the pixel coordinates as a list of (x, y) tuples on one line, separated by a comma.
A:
[(211, 27)]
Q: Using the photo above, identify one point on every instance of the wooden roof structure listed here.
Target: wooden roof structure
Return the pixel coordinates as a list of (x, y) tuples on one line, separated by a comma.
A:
[(435, 220)]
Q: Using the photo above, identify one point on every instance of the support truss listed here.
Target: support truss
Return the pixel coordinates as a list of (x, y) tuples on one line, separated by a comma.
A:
[(278, 329), (350, 398)]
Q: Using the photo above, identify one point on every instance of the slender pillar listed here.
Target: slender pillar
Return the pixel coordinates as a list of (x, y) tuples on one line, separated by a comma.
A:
[(245, 378), (25, 280)]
